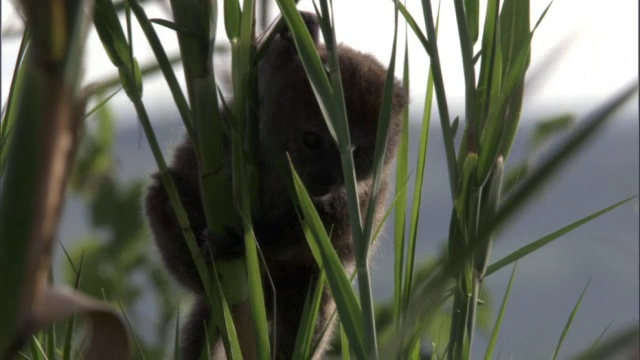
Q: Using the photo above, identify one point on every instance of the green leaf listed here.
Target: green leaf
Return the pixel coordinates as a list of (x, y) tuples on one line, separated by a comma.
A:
[(490, 116), (569, 322), (309, 58), (165, 66), (414, 26), (515, 175), (135, 338), (441, 97), (176, 337), (173, 26), (346, 302), (137, 77), (550, 128), (597, 340), (37, 352), (490, 197), (344, 341), (418, 187), (66, 349), (466, 50), (308, 325), (7, 121), (527, 249), (400, 203), (549, 166), (454, 125), (496, 328), (234, 351), (626, 339), (544, 13), (232, 16), (515, 29), (131, 78), (110, 32), (516, 47), (472, 11), (468, 176)]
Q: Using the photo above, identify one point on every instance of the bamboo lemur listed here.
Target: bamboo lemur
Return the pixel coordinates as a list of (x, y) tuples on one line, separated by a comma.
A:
[(290, 122)]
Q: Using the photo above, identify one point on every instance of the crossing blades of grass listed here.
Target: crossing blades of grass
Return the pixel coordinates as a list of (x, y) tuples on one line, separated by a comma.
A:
[(565, 331)]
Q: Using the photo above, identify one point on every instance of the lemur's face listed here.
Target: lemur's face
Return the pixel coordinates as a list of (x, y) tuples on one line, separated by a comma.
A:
[(291, 119), (314, 152)]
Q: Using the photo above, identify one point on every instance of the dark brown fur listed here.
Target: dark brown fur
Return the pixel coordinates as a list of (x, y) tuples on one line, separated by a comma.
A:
[(290, 122)]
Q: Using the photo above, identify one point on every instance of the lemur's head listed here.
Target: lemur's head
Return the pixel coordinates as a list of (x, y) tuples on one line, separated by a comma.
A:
[(291, 119)]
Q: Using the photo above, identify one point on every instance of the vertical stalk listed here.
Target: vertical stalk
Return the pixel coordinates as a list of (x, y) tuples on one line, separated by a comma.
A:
[(441, 97), (197, 53), (466, 48), (361, 244)]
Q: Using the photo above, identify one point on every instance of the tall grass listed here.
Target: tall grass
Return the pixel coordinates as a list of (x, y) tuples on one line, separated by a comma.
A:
[(495, 54), (38, 138)]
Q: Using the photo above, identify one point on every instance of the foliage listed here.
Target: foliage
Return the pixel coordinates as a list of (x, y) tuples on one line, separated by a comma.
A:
[(436, 302), (118, 263)]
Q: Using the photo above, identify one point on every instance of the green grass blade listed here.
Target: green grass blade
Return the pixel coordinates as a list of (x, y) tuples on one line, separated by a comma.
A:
[(244, 75), (466, 49), (232, 19), (133, 334), (110, 32), (302, 349), (309, 58), (559, 157), (165, 66), (401, 192), (6, 123), (549, 128), (441, 98), (489, 48), (115, 81), (400, 206), (343, 294), (234, 351), (569, 322), (544, 13), (176, 337), (599, 338), (472, 12), (21, 184), (627, 338), (344, 341), (384, 119), (51, 343), (37, 352), (66, 348), (418, 187), (490, 197), (516, 48), (114, 42), (101, 103), (493, 121), (420, 310), (515, 29), (414, 26), (493, 340), (535, 245)]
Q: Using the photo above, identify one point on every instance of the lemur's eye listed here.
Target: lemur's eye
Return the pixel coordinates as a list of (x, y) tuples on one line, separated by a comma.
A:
[(311, 140)]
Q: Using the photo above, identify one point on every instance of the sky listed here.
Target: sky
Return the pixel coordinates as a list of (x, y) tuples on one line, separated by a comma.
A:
[(583, 52)]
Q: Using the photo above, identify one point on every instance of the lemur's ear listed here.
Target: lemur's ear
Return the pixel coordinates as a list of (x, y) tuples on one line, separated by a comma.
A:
[(311, 21)]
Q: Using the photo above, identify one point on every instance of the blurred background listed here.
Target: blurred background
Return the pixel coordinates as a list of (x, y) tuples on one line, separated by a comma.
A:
[(583, 52)]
